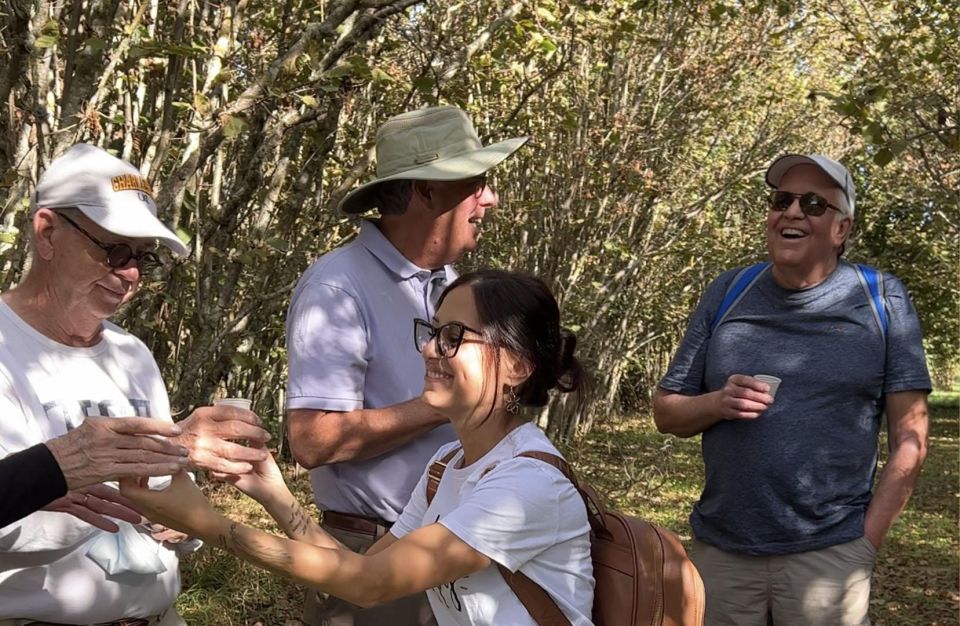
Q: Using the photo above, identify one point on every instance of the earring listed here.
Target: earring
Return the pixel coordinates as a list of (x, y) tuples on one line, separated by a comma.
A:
[(511, 402)]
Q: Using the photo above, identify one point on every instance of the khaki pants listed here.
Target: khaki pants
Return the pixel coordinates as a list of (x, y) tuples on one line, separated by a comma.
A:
[(170, 617), (322, 609), (828, 587)]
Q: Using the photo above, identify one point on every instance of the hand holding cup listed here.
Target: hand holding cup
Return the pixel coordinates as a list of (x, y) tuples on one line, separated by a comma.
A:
[(743, 398)]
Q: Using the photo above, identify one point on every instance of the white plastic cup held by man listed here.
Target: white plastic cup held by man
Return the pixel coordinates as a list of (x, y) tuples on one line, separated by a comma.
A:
[(773, 381), (240, 403)]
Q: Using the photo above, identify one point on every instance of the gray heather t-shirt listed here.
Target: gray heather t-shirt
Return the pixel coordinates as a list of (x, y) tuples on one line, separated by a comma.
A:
[(350, 346), (799, 477)]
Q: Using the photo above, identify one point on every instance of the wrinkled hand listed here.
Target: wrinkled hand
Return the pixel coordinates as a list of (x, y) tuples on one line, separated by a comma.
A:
[(91, 504), (263, 483), (743, 398), (107, 448), (209, 434), (181, 506)]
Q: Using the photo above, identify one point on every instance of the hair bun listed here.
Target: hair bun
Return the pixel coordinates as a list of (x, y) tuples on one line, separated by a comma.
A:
[(569, 369)]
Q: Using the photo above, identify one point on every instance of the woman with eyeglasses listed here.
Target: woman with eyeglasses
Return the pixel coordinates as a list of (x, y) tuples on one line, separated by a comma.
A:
[(494, 347)]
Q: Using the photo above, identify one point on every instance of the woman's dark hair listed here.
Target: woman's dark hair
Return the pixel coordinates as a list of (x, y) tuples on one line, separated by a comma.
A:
[(519, 313)]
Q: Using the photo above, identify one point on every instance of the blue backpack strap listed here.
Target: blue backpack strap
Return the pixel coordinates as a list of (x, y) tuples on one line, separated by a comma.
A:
[(742, 282), (872, 282)]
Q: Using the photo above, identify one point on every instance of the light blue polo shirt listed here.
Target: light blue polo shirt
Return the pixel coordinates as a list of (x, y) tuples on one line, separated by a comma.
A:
[(350, 346)]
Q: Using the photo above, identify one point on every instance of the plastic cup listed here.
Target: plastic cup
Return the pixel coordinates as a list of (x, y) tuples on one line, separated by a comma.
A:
[(240, 403), (773, 381)]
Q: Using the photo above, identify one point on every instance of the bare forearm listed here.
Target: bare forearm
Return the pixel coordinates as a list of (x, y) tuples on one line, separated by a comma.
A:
[(893, 490), (319, 438), (908, 425), (297, 523), (685, 416), (337, 571)]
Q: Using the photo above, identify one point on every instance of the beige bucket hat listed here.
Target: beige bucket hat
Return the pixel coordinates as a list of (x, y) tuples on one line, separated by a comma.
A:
[(436, 143)]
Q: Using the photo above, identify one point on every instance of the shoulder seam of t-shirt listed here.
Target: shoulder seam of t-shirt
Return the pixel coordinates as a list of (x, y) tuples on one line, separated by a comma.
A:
[(353, 298)]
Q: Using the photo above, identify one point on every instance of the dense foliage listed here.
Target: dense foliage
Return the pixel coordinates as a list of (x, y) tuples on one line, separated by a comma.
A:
[(652, 125)]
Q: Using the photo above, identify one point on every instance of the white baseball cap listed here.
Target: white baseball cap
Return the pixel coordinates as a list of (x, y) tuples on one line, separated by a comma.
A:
[(108, 190), (833, 169)]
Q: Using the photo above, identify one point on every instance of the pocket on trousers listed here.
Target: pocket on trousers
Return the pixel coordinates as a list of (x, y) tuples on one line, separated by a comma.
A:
[(865, 548)]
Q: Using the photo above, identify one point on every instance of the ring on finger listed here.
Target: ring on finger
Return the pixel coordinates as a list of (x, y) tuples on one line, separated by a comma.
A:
[(86, 497)]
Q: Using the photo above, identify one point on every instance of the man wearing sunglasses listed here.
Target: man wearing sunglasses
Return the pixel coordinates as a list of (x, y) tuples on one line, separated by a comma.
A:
[(789, 521), (355, 417), (94, 234)]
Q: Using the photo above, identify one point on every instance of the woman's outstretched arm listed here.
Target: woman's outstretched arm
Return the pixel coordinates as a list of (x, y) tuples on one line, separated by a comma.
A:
[(425, 558)]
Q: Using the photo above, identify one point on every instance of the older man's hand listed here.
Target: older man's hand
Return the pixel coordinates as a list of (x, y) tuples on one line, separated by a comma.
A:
[(109, 448), (94, 503), (743, 398), (209, 435)]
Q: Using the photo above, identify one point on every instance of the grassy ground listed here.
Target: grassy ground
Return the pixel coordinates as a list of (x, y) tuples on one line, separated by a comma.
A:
[(658, 478)]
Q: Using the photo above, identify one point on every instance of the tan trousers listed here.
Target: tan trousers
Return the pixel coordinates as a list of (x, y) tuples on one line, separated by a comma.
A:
[(170, 617), (322, 609), (828, 587)]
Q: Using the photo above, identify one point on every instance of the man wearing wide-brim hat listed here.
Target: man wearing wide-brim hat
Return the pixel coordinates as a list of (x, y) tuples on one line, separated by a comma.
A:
[(353, 399)]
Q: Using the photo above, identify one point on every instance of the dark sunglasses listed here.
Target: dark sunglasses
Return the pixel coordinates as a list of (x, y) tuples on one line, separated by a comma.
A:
[(810, 203), (449, 336), (120, 254)]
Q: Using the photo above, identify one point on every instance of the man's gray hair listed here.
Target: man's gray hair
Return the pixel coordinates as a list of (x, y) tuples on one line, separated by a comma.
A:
[(846, 206)]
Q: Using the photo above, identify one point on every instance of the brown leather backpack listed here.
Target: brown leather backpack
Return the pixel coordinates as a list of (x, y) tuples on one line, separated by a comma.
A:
[(643, 576)]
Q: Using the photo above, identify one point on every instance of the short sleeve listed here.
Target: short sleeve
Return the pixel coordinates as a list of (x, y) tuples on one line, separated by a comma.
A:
[(327, 347), (686, 372), (411, 518), (906, 364), (514, 513)]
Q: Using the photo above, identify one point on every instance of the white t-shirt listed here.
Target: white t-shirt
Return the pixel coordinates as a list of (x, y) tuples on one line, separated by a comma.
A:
[(47, 388), (523, 514)]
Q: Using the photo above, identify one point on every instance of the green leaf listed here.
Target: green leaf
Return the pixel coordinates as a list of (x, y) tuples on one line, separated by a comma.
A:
[(310, 101), (45, 41), (277, 243), (233, 126), (424, 84), (344, 69), (183, 235), (546, 15), (96, 44), (883, 157), (379, 76)]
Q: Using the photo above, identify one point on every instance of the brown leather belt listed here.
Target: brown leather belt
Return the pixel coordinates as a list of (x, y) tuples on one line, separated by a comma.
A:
[(126, 621), (372, 526)]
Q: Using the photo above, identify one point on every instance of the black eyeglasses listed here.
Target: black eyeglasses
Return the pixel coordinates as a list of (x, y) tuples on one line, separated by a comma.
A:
[(810, 203), (449, 336), (120, 254)]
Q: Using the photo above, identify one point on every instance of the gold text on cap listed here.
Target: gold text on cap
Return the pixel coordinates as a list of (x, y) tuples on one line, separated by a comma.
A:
[(131, 182)]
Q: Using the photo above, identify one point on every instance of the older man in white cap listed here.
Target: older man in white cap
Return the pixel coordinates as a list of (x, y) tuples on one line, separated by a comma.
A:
[(354, 410), (94, 229), (786, 369)]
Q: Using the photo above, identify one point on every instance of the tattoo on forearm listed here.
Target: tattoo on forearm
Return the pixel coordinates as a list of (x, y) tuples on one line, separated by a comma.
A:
[(299, 521), (269, 550)]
